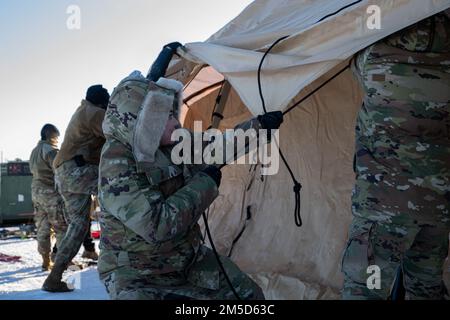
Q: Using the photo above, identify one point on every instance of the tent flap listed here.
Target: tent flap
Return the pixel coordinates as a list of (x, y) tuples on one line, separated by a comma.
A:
[(312, 49)]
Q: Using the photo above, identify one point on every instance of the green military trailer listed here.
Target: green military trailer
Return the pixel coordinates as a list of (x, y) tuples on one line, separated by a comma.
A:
[(15, 193)]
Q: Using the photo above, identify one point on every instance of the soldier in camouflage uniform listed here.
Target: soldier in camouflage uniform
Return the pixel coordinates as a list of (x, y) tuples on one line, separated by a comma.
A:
[(76, 176), (48, 204), (151, 241), (402, 163)]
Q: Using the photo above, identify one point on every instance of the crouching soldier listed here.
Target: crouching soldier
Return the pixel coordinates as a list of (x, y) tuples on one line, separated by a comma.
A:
[(76, 174), (48, 204), (151, 241)]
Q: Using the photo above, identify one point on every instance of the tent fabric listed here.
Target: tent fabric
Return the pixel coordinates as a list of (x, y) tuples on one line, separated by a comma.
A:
[(312, 49), (317, 137)]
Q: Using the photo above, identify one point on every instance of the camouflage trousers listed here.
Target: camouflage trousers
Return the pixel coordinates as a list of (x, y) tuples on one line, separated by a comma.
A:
[(418, 249), (76, 185), (48, 216), (204, 281)]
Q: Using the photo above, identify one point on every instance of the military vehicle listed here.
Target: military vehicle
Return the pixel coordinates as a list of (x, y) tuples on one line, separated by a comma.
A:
[(15, 193)]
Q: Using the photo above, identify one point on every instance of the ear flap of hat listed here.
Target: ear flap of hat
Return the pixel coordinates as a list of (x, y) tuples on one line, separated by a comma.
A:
[(151, 123), (176, 86)]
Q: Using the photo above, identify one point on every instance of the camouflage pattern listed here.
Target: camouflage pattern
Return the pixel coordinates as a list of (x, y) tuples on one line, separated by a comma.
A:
[(203, 281), (420, 250), (48, 204), (76, 185), (48, 216), (151, 241), (401, 198)]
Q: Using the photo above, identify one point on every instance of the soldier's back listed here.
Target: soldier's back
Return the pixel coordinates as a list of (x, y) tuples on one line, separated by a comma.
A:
[(403, 128), (41, 164)]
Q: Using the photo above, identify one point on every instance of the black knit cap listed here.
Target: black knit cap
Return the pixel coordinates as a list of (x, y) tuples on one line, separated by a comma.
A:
[(98, 95)]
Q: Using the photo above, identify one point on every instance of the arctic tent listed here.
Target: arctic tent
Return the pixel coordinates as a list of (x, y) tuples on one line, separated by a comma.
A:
[(302, 50)]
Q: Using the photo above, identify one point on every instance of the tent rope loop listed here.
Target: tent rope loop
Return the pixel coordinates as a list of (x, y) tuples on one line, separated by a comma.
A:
[(298, 217), (297, 186)]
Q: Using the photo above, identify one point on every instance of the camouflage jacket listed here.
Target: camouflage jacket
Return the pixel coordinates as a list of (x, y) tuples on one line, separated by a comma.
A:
[(149, 220), (84, 135), (41, 160), (403, 129)]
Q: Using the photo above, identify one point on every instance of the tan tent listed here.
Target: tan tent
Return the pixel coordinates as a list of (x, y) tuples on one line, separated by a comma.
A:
[(252, 220)]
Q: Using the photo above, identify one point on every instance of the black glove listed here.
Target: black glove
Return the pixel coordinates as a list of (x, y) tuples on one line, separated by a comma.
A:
[(271, 120), (161, 63), (214, 173)]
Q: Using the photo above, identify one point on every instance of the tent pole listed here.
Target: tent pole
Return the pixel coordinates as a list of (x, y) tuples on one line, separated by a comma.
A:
[(221, 101)]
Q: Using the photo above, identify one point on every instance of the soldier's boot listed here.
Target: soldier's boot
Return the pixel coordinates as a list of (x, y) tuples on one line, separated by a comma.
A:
[(47, 263), (54, 282), (90, 255)]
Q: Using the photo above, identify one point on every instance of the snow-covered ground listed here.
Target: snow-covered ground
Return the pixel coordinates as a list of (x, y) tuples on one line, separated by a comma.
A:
[(22, 280)]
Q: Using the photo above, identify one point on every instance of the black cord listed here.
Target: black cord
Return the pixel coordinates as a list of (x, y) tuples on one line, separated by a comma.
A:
[(239, 235), (315, 90), (259, 71), (297, 185), (218, 257), (281, 39), (336, 12)]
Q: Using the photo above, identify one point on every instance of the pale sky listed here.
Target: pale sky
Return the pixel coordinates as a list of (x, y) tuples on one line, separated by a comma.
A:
[(45, 68)]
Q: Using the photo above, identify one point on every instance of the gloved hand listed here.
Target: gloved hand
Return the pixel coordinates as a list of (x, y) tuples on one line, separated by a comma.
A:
[(161, 63), (214, 173), (271, 120), (173, 46)]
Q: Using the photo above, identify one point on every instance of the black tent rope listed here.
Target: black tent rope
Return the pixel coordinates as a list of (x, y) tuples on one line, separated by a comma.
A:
[(297, 185), (337, 11), (239, 235), (208, 232), (316, 89)]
